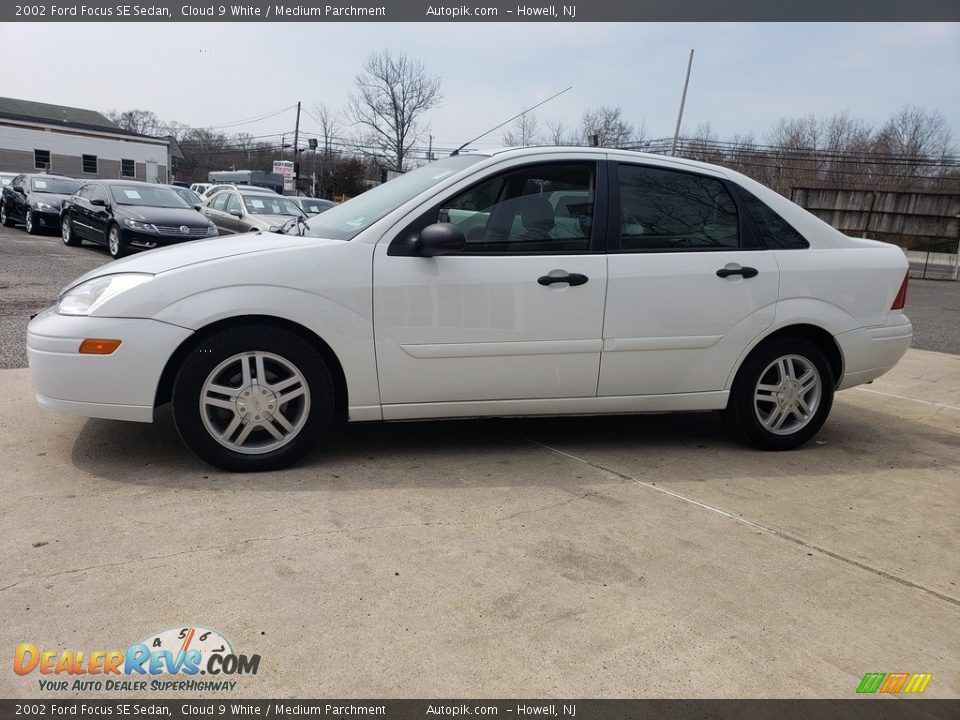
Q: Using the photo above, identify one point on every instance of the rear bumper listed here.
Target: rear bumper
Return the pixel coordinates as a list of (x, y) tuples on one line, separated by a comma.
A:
[(870, 352)]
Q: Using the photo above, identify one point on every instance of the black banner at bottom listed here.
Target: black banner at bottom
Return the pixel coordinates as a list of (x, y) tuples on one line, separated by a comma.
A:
[(854, 709)]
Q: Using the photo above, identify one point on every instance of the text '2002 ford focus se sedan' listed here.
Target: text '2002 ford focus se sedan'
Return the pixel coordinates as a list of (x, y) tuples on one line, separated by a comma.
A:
[(525, 282)]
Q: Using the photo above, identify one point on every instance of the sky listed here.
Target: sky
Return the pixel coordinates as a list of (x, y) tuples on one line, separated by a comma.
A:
[(745, 75)]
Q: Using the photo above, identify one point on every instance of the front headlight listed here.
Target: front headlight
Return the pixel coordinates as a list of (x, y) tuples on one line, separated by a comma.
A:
[(86, 297), (212, 230), (142, 227), (45, 207)]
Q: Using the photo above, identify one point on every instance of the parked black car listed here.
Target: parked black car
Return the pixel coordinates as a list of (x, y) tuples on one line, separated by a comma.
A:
[(35, 201), (127, 216)]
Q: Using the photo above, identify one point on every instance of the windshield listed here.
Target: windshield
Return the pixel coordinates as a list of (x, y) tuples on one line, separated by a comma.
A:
[(188, 195), (61, 186), (315, 207), (149, 196), (346, 220), (270, 205)]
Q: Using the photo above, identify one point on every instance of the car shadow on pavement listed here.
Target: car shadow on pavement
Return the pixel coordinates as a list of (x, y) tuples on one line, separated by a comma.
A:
[(524, 451)]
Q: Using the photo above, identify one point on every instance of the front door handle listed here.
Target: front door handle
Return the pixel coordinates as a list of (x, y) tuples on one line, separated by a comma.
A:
[(747, 272), (571, 278)]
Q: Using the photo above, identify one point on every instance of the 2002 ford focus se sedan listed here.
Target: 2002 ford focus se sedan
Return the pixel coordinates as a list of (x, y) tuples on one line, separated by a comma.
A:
[(541, 281)]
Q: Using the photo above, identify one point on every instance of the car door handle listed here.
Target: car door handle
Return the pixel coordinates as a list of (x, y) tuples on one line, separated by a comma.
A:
[(571, 278), (747, 272)]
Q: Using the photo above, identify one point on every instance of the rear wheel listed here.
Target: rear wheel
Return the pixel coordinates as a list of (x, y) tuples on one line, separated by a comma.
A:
[(66, 232), (5, 219), (782, 394), (115, 242), (252, 398)]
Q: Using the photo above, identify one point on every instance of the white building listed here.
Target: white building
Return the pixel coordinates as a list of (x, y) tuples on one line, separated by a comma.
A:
[(79, 143)]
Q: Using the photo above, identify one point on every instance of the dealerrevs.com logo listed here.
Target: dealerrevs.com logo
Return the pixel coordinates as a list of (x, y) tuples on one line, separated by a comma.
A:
[(169, 660)]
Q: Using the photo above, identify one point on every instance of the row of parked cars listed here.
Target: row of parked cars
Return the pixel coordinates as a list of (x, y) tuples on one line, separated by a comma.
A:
[(128, 215)]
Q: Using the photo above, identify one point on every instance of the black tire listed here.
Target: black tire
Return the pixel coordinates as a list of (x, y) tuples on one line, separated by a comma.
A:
[(118, 248), (755, 418), (5, 219), (213, 359), (67, 234), (28, 223)]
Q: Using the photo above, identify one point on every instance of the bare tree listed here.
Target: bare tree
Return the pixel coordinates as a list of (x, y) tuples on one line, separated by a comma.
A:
[(526, 131), (608, 124), (144, 122), (329, 121), (557, 134), (392, 93)]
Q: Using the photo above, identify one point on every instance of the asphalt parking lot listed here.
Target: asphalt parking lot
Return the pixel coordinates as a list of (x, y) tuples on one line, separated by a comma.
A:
[(647, 556)]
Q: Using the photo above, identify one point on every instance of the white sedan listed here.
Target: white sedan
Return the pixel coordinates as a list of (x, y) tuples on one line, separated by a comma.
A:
[(542, 281)]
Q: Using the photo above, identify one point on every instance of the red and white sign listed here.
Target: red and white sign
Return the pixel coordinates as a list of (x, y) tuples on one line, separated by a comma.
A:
[(285, 168)]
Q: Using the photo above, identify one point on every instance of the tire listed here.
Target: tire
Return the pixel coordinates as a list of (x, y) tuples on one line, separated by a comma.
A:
[(771, 405), (66, 232), (28, 223), (115, 242), (5, 219), (215, 400)]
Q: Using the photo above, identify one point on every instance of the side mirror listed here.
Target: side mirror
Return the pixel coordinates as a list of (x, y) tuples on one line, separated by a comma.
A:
[(440, 239), (99, 202), (235, 213), (198, 206), (19, 189)]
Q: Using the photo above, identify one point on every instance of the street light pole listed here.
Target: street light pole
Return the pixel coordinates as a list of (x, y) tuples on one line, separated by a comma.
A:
[(296, 158), (683, 99)]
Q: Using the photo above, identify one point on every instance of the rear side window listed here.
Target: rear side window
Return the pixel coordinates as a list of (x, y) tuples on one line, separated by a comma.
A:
[(663, 210), (774, 232)]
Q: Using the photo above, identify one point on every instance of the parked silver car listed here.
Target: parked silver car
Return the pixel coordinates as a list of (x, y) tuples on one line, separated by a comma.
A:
[(242, 210)]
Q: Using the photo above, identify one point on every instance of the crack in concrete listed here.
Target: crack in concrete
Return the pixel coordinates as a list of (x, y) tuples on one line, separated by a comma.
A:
[(764, 528)]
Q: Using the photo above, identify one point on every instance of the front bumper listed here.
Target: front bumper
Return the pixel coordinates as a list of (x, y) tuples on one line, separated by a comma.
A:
[(119, 386), (145, 241), (870, 352), (49, 219)]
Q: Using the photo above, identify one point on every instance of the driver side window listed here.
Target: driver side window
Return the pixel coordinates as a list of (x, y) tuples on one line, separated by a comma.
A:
[(233, 203), (545, 208), (219, 201)]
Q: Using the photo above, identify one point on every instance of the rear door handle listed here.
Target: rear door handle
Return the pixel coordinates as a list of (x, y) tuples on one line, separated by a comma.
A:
[(571, 278), (747, 272)]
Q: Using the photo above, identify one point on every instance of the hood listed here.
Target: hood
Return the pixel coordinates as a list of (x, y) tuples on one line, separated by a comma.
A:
[(169, 258), (55, 199), (161, 215)]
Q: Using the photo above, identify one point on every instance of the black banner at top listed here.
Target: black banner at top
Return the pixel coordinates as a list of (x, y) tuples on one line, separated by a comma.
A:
[(478, 11)]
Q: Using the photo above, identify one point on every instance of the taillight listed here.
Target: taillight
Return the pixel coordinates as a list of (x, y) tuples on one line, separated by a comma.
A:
[(901, 299)]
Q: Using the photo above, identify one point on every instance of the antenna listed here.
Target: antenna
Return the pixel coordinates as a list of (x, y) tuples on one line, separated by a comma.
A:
[(542, 102)]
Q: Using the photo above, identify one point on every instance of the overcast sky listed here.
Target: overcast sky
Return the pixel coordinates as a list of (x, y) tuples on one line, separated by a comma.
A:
[(745, 76)]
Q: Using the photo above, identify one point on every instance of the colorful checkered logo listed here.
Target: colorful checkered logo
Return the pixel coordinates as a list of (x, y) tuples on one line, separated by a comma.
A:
[(893, 683)]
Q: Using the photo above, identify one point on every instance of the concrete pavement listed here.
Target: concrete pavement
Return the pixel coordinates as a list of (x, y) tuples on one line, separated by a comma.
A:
[(576, 557)]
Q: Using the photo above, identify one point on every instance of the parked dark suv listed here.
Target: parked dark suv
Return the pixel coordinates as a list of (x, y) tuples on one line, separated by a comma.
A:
[(35, 200), (125, 216)]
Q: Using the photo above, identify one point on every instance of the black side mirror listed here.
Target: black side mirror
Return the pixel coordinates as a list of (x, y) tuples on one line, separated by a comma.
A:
[(99, 202), (19, 189), (198, 207), (440, 239)]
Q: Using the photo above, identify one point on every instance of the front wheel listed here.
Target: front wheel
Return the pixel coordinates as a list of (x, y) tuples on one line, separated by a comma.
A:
[(782, 394), (5, 219), (115, 243), (252, 398), (29, 224)]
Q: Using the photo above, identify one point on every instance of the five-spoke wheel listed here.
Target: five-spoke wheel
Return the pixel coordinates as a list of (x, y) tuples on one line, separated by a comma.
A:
[(782, 394)]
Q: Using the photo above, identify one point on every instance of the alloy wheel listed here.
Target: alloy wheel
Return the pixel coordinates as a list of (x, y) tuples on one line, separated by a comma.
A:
[(254, 402), (787, 394)]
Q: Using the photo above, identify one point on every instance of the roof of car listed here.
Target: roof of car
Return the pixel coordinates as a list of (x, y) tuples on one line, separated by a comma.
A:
[(116, 181), (600, 152), (48, 175)]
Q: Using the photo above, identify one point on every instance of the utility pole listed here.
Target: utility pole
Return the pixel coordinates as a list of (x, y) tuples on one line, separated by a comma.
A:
[(430, 150), (296, 151), (683, 99)]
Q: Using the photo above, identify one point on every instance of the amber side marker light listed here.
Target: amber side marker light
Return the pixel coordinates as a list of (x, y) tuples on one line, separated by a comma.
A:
[(96, 346)]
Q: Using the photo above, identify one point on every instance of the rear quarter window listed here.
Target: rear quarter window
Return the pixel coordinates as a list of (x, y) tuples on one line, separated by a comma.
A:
[(772, 230)]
